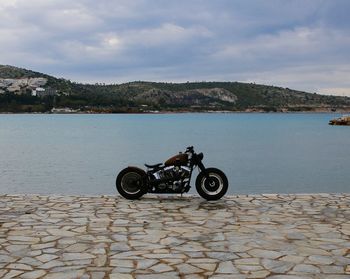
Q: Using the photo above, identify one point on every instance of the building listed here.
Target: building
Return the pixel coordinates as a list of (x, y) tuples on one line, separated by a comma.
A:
[(43, 92)]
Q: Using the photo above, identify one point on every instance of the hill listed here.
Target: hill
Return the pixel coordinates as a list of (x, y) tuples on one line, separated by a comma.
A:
[(23, 90)]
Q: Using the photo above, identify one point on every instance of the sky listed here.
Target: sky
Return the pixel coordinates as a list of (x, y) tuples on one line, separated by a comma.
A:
[(299, 44)]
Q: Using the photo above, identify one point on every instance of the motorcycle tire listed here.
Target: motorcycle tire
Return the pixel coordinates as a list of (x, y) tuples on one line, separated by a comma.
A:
[(214, 187), (130, 183)]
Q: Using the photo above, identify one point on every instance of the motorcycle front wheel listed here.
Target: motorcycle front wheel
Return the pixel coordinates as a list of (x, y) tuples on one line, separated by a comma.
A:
[(212, 186), (130, 184)]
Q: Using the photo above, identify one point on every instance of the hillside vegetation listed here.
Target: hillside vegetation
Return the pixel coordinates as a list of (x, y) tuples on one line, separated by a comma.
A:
[(17, 86)]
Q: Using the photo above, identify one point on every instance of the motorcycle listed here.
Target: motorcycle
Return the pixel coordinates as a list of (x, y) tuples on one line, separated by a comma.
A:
[(173, 177)]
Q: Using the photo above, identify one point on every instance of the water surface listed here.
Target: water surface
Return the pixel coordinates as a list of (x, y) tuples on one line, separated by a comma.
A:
[(260, 153)]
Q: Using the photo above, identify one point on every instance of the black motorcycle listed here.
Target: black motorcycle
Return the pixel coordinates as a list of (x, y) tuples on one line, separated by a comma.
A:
[(173, 177)]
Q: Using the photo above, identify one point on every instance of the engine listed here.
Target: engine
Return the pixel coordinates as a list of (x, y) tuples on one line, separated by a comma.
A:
[(171, 178), (173, 172)]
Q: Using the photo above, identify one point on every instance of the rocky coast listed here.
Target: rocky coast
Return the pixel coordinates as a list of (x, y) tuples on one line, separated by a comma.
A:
[(254, 236)]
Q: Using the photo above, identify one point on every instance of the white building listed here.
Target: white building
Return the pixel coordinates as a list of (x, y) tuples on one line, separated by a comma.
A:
[(38, 91)]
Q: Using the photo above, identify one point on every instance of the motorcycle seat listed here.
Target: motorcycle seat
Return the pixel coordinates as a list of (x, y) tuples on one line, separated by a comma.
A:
[(153, 166)]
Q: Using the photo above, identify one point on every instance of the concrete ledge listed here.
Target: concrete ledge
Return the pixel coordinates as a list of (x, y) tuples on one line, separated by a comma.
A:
[(254, 236)]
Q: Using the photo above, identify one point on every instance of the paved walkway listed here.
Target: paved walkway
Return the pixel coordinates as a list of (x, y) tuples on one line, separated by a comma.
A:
[(270, 236)]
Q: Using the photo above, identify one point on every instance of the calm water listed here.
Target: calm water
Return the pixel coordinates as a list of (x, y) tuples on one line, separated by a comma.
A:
[(260, 153)]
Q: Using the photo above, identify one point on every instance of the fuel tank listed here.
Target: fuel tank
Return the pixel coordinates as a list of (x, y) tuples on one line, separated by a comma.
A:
[(179, 159)]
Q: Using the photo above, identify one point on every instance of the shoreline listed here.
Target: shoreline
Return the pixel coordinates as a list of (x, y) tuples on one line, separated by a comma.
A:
[(243, 236), (184, 112)]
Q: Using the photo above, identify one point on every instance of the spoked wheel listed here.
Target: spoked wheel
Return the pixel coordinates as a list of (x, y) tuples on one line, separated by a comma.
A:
[(213, 186), (130, 184)]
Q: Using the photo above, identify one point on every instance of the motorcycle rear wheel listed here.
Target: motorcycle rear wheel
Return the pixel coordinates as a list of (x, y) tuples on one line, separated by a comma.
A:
[(214, 187), (130, 184)]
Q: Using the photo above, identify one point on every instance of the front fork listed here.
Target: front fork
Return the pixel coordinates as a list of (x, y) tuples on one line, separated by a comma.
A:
[(203, 169)]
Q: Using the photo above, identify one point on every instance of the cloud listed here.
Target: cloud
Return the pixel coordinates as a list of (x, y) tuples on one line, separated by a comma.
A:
[(4, 4), (71, 20), (165, 35), (299, 44)]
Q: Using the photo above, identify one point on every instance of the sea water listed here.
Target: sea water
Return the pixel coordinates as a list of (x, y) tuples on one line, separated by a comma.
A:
[(260, 153)]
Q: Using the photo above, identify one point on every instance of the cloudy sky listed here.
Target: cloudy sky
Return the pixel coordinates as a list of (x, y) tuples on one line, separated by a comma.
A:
[(300, 44)]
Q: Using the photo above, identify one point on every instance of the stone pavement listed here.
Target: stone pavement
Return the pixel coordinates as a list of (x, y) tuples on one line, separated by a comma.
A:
[(256, 236)]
